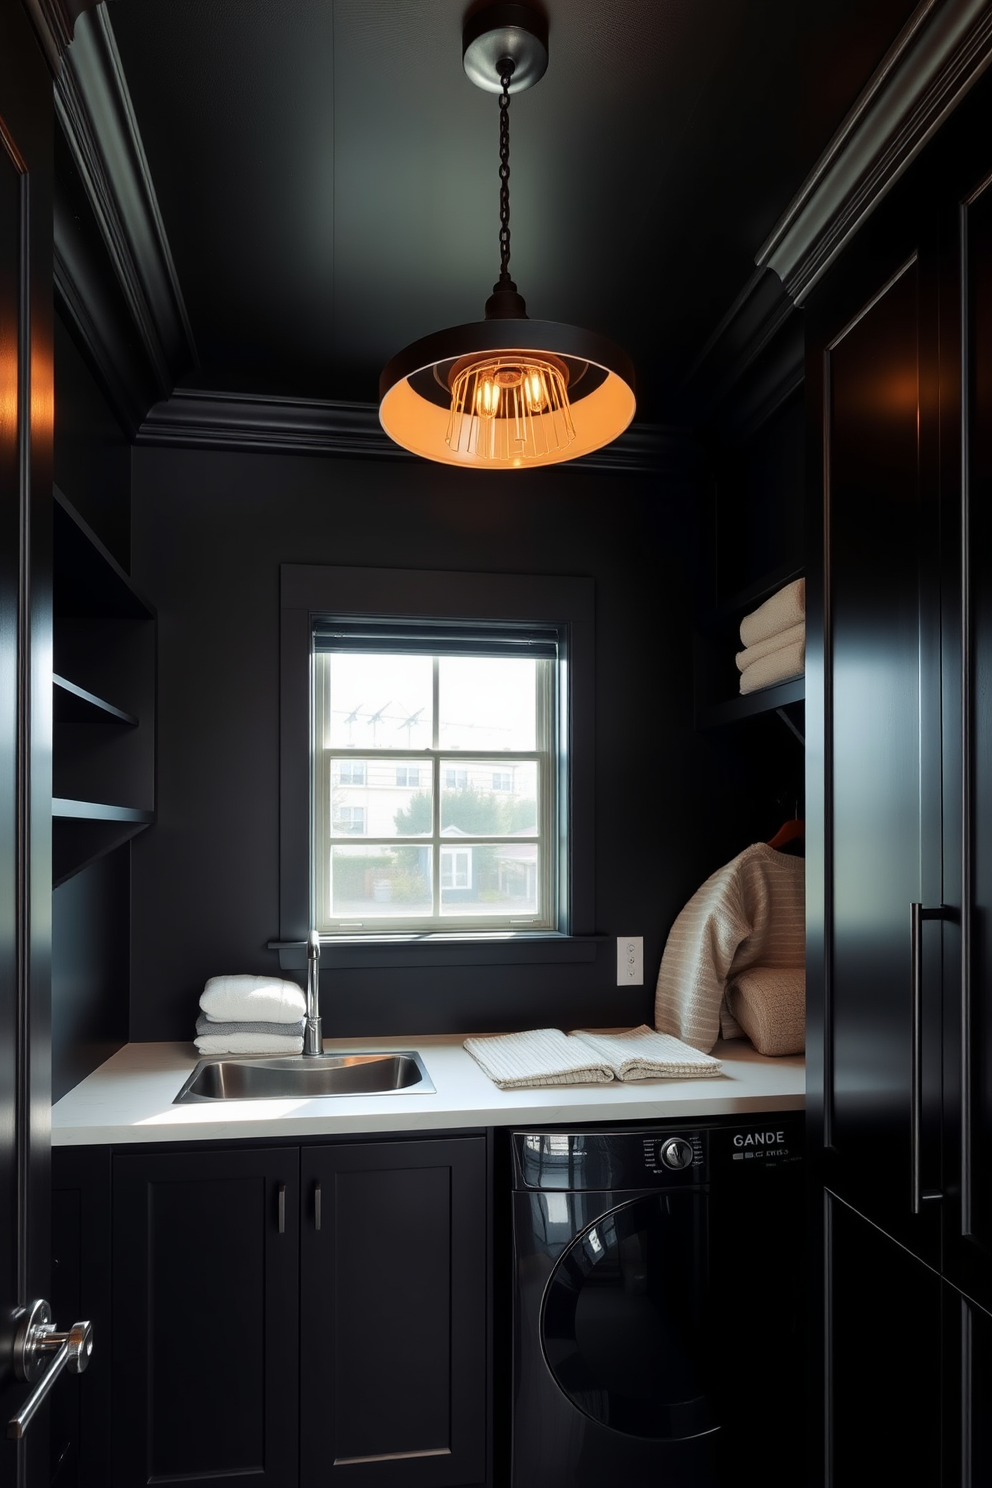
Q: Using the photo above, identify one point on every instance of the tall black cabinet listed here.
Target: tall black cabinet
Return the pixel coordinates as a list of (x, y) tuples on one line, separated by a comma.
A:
[(899, 821)]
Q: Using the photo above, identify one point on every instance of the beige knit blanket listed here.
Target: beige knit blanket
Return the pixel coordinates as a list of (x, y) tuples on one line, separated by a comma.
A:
[(751, 912), (546, 1056)]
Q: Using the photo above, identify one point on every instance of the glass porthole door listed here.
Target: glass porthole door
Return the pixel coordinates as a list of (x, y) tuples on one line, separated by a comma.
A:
[(623, 1322)]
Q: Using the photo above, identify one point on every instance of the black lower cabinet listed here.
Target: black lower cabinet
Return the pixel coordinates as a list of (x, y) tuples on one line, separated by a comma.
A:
[(292, 1316), (907, 1369), (205, 1327), (883, 1368), (393, 1379)]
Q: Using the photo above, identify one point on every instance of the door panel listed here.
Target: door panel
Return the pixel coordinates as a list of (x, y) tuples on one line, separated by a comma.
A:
[(883, 725), (26, 122), (968, 1254), (205, 1309), (394, 1344), (883, 1368)]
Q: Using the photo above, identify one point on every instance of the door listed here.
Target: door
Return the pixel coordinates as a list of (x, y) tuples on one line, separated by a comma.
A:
[(205, 1307), (968, 1079), (394, 1335), (875, 964), (26, 406)]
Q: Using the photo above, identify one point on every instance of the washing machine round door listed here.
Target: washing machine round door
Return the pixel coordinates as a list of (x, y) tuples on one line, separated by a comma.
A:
[(624, 1323)]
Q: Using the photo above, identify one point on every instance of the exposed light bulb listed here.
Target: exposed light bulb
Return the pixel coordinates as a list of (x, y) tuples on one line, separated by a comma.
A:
[(504, 408)]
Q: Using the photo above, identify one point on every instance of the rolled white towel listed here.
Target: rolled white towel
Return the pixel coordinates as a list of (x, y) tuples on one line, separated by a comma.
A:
[(787, 661), (785, 608), (252, 999), (248, 1043), (754, 653)]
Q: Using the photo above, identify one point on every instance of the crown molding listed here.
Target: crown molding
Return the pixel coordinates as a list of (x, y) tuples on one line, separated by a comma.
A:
[(201, 418), (754, 358), (53, 21), (941, 51), (94, 111), (751, 362)]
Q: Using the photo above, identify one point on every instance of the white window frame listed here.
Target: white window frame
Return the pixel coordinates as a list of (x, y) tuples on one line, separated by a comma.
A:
[(547, 765)]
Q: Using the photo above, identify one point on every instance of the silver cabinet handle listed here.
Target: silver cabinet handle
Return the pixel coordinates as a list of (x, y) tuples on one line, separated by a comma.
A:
[(316, 1206), (917, 914), (282, 1208), (36, 1341)]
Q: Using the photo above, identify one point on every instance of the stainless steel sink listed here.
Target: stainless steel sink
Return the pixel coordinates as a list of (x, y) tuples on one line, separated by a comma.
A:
[(306, 1077)]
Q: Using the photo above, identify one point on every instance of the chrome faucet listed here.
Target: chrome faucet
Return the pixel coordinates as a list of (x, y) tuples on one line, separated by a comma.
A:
[(313, 1042)]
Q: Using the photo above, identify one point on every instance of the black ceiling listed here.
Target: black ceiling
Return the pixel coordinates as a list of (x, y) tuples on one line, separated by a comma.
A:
[(327, 180)]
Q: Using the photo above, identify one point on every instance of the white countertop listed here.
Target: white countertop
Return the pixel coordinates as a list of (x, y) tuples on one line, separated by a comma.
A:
[(130, 1098)]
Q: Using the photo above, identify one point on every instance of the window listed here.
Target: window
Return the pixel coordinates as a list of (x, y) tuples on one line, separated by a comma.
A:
[(350, 772), (551, 866), (348, 819), (490, 694)]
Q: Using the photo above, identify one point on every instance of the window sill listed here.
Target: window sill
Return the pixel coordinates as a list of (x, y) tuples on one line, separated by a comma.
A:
[(441, 949)]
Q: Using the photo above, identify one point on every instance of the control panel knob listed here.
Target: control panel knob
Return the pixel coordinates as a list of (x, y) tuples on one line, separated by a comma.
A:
[(676, 1153)]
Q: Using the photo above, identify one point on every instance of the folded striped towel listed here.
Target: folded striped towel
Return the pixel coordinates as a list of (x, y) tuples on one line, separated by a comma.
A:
[(542, 1056), (643, 1054), (237, 999), (546, 1056), (785, 608)]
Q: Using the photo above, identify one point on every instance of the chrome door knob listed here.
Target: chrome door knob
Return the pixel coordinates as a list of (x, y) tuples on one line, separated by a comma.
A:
[(41, 1353)]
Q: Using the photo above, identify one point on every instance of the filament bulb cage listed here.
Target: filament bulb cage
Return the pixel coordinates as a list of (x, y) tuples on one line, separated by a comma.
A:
[(509, 408)]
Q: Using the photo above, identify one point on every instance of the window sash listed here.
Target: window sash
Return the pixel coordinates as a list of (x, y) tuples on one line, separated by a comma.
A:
[(545, 837)]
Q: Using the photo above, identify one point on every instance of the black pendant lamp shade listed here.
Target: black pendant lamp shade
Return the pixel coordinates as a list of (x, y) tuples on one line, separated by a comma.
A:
[(506, 392)]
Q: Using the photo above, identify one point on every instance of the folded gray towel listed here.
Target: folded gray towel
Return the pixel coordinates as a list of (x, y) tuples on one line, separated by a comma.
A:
[(205, 1025)]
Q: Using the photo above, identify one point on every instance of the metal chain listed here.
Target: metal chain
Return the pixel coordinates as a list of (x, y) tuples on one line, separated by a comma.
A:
[(505, 74)]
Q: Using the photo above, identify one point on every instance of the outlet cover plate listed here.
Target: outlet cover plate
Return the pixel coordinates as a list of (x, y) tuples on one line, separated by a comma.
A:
[(630, 960)]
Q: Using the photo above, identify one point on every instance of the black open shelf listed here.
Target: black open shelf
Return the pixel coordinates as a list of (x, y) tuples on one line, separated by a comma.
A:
[(72, 704)]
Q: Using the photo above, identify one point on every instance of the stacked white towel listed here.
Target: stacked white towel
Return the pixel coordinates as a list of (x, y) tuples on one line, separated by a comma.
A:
[(250, 1015), (546, 1056), (774, 637)]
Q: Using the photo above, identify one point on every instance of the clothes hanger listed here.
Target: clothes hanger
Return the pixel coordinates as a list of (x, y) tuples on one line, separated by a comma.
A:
[(788, 832)]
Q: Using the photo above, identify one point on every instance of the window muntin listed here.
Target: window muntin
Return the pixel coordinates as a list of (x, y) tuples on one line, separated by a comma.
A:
[(407, 873)]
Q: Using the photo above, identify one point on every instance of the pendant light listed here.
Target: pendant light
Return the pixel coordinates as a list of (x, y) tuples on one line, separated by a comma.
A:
[(506, 392)]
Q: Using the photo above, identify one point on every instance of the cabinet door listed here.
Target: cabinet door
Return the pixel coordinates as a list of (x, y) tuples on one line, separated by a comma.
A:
[(394, 1339), (967, 1371), (205, 1310), (873, 367), (884, 1381), (968, 1081)]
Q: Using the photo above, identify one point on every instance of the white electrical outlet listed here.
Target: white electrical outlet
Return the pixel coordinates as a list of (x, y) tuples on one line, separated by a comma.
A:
[(630, 960)]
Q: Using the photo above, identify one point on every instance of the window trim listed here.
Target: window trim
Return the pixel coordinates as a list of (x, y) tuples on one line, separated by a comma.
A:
[(308, 590)]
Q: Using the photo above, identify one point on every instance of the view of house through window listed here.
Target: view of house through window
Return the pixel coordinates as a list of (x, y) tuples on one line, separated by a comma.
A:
[(435, 783)]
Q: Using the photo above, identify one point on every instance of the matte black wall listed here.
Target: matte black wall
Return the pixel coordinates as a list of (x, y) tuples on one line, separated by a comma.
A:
[(209, 533)]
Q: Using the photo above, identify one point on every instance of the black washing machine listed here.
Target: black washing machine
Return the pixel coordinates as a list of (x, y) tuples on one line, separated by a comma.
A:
[(658, 1276)]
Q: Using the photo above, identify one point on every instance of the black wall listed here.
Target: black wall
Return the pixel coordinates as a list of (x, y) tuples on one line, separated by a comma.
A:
[(210, 530)]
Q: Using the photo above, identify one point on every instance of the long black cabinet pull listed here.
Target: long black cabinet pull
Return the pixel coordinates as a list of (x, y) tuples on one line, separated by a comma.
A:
[(917, 914), (282, 1208), (316, 1205)]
